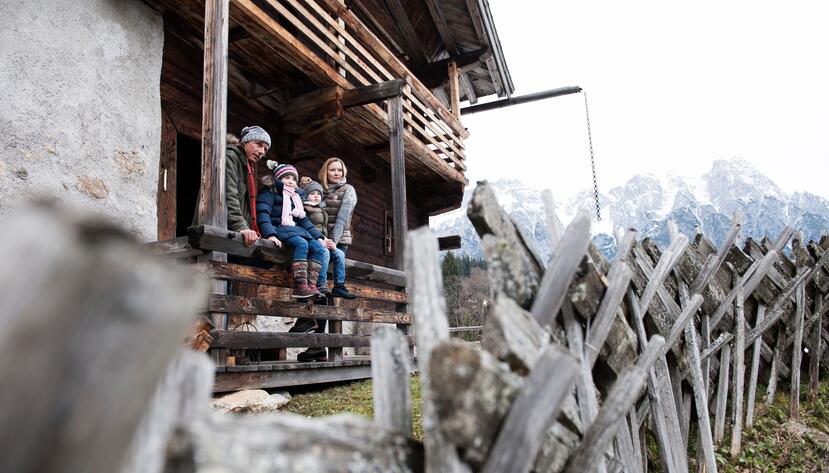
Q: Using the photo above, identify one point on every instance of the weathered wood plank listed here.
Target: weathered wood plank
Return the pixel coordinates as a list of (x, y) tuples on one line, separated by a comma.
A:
[(373, 93), (775, 366), (286, 374), (182, 396), (512, 335), (398, 178), (815, 348), (270, 444), (700, 400), (797, 352), (739, 375), (175, 248), (87, 303), (511, 266), (390, 372), (755, 366), (428, 308), (239, 340), (472, 392), (713, 263), (520, 437), (722, 394), (621, 397), (748, 283), (260, 306), (211, 238), (282, 278), (211, 207), (618, 281), (778, 306), (561, 269)]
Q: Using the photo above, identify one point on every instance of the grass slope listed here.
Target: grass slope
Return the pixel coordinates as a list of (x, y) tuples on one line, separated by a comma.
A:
[(774, 444)]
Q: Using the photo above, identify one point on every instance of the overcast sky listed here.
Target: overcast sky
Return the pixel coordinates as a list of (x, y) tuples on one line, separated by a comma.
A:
[(672, 86)]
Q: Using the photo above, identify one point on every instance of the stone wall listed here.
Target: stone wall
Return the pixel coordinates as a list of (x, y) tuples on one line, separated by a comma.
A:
[(80, 109)]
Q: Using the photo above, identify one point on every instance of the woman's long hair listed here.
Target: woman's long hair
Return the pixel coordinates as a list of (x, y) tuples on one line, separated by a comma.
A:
[(323, 174)]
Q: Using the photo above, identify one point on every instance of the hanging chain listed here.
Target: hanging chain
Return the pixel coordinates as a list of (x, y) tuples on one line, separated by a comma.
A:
[(592, 160)]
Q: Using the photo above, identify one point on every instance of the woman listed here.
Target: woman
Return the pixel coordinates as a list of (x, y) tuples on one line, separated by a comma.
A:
[(340, 200)]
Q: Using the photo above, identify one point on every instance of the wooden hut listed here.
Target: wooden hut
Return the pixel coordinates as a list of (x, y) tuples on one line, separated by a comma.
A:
[(377, 83)]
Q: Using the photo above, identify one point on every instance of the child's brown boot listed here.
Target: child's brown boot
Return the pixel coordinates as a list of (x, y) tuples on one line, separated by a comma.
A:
[(299, 271)]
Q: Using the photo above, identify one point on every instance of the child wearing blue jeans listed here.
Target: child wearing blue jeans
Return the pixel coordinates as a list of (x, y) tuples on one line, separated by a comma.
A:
[(282, 219), (315, 210)]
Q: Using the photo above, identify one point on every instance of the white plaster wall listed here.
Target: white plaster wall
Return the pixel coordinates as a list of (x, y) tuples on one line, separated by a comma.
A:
[(80, 109)]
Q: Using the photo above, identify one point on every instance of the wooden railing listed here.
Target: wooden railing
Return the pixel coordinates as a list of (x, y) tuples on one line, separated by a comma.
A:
[(381, 299), (339, 39)]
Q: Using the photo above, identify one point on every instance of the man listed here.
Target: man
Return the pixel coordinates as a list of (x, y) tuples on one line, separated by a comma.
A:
[(240, 186)]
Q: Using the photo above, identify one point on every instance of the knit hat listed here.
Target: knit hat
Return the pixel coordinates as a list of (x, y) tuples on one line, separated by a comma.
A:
[(255, 133), (312, 186), (281, 170)]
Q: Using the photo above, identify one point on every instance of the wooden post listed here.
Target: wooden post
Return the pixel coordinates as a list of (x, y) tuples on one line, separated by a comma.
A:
[(212, 208), (89, 324), (390, 369), (722, 394), (814, 355), (454, 93), (755, 366), (775, 365), (739, 375), (398, 178), (797, 350), (700, 400), (425, 289)]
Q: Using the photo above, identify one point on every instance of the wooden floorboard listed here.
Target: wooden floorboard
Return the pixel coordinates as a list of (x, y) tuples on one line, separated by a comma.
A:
[(330, 372)]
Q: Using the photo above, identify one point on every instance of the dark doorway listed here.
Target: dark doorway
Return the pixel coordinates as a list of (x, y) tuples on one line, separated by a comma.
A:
[(188, 181)]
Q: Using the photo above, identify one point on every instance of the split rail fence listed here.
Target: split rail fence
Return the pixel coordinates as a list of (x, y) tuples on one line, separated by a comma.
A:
[(580, 358)]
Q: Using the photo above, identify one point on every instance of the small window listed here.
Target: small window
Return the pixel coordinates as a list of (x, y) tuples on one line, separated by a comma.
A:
[(388, 234)]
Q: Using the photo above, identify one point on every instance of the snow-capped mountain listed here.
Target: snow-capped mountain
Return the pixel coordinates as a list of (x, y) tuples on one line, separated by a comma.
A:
[(646, 202)]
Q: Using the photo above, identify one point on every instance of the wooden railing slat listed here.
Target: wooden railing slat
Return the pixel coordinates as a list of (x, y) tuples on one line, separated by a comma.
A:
[(243, 305)]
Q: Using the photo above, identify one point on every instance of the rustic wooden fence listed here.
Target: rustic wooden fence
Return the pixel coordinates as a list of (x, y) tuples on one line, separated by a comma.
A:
[(577, 364)]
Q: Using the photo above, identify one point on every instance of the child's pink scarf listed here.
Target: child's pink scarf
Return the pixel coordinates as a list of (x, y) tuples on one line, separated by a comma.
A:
[(290, 195)]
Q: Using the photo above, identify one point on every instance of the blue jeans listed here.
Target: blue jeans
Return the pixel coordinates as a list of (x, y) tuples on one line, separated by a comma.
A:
[(337, 258), (305, 249)]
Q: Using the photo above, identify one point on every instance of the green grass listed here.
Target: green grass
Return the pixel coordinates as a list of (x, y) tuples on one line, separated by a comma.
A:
[(771, 446), (355, 398), (767, 447)]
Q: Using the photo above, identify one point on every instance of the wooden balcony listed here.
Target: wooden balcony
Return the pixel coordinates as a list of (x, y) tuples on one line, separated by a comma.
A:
[(332, 47)]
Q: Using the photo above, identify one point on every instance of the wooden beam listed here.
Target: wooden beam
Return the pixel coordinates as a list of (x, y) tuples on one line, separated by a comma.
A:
[(212, 208), (433, 75), (398, 178), (292, 374), (258, 306), (390, 372), (452, 49), (373, 93), (313, 112), (454, 94), (209, 238), (253, 340), (281, 277), (451, 242), (414, 48)]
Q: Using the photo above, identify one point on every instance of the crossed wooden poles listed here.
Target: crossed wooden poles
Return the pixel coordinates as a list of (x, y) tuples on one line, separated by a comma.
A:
[(660, 337)]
